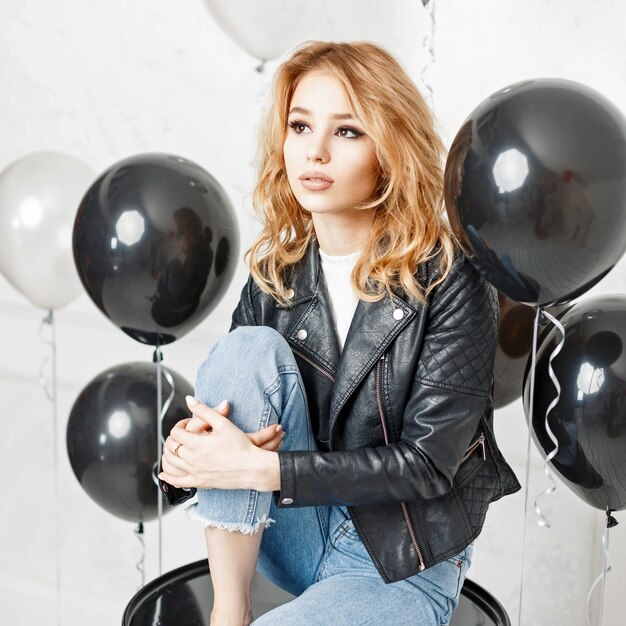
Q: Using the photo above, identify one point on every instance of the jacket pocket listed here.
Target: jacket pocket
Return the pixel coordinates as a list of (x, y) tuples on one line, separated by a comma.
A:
[(477, 482), (472, 461)]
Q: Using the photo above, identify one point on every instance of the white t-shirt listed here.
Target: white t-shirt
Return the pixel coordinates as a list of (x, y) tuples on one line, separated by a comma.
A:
[(343, 300)]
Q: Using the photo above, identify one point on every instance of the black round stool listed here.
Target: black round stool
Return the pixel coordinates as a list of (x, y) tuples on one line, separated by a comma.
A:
[(184, 597)]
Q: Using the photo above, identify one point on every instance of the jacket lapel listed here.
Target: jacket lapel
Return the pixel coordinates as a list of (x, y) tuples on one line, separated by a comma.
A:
[(313, 331), (374, 326)]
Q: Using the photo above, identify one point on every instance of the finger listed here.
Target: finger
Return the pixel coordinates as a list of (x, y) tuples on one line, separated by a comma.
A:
[(264, 435), (170, 469), (176, 460), (223, 408), (273, 445), (196, 425), (169, 465), (177, 481), (188, 438), (213, 417), (171, 445), (180, 424)]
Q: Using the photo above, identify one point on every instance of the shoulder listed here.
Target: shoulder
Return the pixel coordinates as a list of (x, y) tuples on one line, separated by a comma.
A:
[(463, 282), (465, 300)]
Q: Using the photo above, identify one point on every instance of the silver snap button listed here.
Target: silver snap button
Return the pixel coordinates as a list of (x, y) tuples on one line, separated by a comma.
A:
[(290, 294), (302, 334), (398, 314), (287, 501)]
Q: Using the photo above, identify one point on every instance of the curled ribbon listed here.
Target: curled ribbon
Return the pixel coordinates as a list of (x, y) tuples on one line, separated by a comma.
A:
[(543, 520)]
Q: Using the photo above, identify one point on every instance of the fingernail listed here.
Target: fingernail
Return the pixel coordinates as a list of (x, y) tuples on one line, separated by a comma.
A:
[(191, 400), (222, 405), (283, 435), (278, 428)]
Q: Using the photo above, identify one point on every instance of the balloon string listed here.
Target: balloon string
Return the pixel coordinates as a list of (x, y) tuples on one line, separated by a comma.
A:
[(162, 408), (531, 401), (50, 390), (158, 357), (428, 44), (140, 566), (543, 520), (48, 322), (606, 568)]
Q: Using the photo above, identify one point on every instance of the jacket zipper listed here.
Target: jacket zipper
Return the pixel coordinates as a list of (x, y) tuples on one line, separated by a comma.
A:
[(477, 443), (314, 364), (405, 511)]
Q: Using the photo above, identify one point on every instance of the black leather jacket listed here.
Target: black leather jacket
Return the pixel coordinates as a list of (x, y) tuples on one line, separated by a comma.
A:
[(408, 409)]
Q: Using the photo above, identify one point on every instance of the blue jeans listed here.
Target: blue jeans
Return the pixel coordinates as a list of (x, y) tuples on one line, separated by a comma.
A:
[(312, 552)]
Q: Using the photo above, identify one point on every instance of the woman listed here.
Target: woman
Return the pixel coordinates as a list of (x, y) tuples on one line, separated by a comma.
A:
[(367, 338)]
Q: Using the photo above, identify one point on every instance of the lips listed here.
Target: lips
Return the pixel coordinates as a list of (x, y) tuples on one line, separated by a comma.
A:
[(316, 181)]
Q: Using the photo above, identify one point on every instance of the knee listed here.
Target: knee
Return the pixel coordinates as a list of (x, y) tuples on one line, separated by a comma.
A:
[(254, 345)]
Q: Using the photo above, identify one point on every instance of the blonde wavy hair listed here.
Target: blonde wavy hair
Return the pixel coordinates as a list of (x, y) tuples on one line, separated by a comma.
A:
[(409, 227)]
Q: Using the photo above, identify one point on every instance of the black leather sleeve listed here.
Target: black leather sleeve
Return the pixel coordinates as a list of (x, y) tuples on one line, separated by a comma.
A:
[(451, 392), (243, 315)]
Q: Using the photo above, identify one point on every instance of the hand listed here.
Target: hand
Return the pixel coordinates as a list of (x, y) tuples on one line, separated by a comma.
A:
[(213, 453), (268, 438)]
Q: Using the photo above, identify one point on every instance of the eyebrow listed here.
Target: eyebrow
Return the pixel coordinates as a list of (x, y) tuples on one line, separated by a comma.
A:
[(337, 116)]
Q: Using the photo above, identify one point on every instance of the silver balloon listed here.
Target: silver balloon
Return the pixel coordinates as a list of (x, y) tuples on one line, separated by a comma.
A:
[(265, 29), (39, 196)]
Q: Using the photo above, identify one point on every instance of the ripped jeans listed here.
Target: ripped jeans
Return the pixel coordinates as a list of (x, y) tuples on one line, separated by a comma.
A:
[(312, 552)]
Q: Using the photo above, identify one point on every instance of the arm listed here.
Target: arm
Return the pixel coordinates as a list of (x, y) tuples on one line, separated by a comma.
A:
[(203, 466), (451, 391)]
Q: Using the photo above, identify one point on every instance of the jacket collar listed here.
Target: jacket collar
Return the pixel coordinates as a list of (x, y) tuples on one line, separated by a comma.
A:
[(374, 327)]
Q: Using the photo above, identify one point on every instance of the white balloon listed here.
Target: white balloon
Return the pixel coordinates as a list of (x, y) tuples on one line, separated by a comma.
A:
[(265, 28), (39, 197)]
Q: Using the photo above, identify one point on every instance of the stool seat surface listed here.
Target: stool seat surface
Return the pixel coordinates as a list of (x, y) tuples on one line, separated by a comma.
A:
[(184, 597)]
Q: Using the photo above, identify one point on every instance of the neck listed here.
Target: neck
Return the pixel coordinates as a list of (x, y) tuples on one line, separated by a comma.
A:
[(343, 233)]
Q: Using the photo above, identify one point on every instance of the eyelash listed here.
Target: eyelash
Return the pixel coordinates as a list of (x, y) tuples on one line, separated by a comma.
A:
[(357, 133)]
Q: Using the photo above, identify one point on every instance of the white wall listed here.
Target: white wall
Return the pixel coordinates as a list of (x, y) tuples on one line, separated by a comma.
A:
[(105, 80)]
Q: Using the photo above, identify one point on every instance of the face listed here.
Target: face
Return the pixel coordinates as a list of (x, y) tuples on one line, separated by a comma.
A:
[(330, 161)]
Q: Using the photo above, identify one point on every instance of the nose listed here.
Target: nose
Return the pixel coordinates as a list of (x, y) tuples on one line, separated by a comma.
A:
[(317, 150)]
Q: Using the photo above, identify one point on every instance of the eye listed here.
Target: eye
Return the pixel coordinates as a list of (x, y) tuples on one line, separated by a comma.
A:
[(349, 132), (298, 127)]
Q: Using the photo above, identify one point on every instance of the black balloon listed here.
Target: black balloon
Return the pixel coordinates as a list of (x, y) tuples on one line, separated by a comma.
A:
[(111, 437), (155, 244), (589, 420), (535, 188)]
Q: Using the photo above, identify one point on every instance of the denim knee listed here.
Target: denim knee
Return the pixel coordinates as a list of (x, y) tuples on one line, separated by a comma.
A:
[(248, 353), (262, 341)]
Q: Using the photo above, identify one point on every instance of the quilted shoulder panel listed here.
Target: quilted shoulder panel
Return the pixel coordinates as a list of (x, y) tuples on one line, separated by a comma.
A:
[(460, 340)]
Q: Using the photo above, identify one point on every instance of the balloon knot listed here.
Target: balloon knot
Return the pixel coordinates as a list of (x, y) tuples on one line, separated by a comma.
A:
[(610, 520), (157, 356), (139, 529), (543, 318)]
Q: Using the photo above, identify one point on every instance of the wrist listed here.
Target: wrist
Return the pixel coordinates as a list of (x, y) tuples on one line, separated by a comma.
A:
[(268, 473)]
